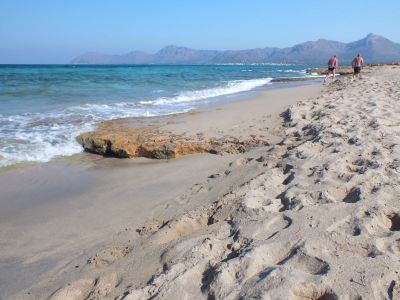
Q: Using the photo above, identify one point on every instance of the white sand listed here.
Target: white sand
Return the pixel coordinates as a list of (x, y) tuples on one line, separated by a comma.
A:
[(315, 216)]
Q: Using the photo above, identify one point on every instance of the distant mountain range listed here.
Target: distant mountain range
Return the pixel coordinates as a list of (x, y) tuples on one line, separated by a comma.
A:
[(374, 48)]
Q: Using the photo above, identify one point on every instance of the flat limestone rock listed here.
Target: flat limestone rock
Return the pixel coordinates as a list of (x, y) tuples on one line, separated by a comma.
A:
[(139, 142), (120, 139)]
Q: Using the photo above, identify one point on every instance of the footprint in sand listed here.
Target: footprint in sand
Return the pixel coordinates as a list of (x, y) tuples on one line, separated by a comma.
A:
[(392, 221), (181, 227), (88, 288), (108, 256), (185, 198), (313, 291), (256, 199), (300, 260), (240, 162), (263, 271), (269, 228), (387, 288), (75, 290), (246, 266), (389, 245), (356, 194), (347, 226), (384, 222)]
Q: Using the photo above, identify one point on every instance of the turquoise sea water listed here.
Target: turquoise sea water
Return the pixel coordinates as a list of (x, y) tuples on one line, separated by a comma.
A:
[(43, 108)]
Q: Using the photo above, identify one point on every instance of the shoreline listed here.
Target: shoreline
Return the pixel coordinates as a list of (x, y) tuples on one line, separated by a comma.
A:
[(70, 197), (211, 102), (312, 214), (276, 83)]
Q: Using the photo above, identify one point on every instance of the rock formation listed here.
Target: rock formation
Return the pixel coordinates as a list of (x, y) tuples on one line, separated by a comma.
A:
[(119, 139)]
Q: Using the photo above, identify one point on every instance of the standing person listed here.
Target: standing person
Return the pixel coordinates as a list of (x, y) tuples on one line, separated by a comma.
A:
[(357, 64), (332, 65)]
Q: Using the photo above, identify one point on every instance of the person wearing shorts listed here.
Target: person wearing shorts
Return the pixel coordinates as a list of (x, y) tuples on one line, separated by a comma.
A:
[(332, 65), (357, 64)]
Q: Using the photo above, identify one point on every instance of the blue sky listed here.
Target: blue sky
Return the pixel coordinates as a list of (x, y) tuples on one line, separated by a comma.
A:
[(55, 31)]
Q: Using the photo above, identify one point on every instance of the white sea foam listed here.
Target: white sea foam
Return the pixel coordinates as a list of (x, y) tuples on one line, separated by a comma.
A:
[(315, 75), (41, 137), (292, 71), (39, 143), (231, 87)]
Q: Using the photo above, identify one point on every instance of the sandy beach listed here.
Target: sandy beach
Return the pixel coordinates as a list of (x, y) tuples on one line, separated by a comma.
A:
[(313, 213)]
